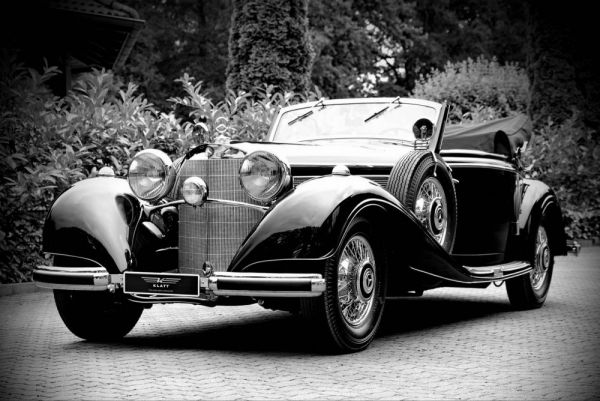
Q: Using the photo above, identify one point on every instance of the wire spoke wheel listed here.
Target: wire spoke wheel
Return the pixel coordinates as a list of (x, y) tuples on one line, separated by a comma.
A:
[(349, 312), (541, 261), (356, 281), (530, 290)]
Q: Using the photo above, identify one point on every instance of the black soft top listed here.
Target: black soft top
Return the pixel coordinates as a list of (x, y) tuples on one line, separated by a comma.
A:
[(501, 136)]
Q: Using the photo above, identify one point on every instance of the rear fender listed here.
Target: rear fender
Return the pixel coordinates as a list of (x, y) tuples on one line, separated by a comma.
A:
[(539, 199), (95, 219)]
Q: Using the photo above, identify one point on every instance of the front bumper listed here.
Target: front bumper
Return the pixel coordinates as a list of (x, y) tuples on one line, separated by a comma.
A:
[(258, 285)]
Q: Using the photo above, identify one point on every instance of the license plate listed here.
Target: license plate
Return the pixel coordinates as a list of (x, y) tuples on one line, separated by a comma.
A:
[(161, 284)]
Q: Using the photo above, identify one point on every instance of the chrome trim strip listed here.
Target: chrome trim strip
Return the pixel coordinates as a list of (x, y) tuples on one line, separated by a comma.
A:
[(163, 299), (150, 209), (495, 269), (333, 163), (379, 179), (446, 153), (480, 165), (75, 257), (238, 204)]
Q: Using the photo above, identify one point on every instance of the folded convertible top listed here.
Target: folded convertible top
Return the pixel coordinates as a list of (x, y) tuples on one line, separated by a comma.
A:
[(501, 136)]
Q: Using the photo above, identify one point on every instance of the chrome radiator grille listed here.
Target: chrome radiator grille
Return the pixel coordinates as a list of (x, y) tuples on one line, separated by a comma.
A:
[(214, 231)]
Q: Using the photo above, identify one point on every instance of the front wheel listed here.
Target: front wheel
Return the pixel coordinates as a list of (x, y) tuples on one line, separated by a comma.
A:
[(350, 310), (96, 316), (530, 290)]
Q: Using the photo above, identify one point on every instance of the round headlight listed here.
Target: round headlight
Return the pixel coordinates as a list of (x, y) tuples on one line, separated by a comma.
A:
[(150, 174), (194, 191), (264, 176)]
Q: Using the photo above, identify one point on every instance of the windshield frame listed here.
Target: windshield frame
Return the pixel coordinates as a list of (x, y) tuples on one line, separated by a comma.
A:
[(383, 101)]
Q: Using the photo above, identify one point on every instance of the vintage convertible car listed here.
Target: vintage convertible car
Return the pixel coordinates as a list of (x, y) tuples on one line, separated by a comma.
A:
[(350, 202)]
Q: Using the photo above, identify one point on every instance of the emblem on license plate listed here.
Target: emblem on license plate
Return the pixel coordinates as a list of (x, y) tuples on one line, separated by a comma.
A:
[(161, 283)]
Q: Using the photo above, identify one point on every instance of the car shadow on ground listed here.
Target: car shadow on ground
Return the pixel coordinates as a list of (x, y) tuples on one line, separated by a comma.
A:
[(281, 332), (420, 314)]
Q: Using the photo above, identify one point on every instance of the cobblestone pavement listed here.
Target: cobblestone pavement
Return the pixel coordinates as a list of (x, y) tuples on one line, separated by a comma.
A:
[(450, 343)]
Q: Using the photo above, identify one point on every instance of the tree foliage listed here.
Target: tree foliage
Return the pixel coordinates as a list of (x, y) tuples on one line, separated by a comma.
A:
[(344, 51), (180, 37), (361, 47), (269, 45)]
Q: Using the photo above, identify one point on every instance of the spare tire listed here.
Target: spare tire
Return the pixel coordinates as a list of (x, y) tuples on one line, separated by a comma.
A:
[(428, 191)]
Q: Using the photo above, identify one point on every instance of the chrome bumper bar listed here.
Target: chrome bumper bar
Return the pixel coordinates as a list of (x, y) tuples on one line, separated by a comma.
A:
[(266, 284), (76, 278), (259, 285)]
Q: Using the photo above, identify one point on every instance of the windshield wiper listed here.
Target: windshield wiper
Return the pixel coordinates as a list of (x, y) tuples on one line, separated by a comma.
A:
[(301, 117), (380, 112)]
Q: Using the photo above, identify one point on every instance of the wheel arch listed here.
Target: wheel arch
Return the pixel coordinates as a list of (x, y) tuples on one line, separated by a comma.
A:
[(539, 200)]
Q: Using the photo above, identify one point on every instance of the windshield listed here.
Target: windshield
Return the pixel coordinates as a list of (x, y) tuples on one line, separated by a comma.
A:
[(381, 121)]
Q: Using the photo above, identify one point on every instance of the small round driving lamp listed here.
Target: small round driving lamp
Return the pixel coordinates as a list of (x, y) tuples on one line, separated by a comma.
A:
[(264, 176), (151, 175), (195, 191)]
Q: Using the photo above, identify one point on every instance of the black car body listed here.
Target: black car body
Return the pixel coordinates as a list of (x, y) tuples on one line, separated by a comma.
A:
[(348, 203)]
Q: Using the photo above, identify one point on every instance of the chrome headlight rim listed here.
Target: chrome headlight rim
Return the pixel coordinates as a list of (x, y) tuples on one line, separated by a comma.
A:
[(274, 192), (167, 171)]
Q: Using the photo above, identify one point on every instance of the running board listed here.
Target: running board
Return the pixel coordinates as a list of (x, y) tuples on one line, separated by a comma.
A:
[(482, 274), (499, 272)]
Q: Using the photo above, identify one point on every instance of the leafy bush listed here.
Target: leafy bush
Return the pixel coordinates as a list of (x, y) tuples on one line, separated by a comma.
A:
[(37, 160), (477, 90), (47, 143), (239, 116)]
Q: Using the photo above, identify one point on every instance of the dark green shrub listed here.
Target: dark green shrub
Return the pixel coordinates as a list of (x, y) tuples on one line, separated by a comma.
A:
[(567, 157), (269, 45)]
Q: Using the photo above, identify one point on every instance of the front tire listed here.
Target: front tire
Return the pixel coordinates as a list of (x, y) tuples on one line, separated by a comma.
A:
[(529, 291), (349, 312), (96, 316)]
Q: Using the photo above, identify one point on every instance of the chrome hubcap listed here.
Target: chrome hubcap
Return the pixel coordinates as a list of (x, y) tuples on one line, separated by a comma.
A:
[(356, 280), (431, 208), (542, 259)]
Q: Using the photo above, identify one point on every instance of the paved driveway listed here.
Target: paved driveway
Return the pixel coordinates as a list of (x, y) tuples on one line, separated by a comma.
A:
[(451, 343)]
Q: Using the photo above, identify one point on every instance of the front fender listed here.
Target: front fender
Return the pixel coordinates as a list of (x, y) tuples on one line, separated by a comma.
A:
[(304, 229), (306, 223), (94, 220)]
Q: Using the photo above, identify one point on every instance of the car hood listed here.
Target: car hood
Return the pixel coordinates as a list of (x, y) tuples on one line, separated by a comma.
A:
[(350, 153)]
